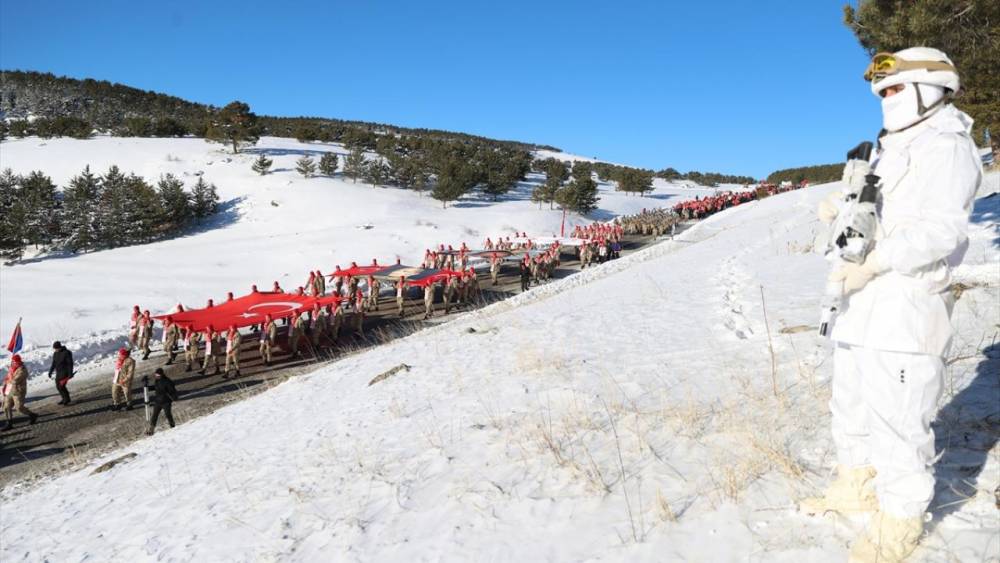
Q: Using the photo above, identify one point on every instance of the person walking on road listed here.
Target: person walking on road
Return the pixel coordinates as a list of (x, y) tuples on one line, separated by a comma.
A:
[(429, 300), (121, 386), (296, 333), (133, 327), (233, 342), (15, 389), (191, 338), (62, 367), (268, 334), (211, 351), (145, 334), (171, 334), (400, 295), (165, 394)]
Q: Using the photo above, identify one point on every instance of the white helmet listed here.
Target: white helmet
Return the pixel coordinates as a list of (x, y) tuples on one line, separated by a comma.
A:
[(921, 65), (929, 77)]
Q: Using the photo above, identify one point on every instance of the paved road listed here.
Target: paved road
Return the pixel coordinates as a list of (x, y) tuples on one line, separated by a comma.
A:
[(67, 437)]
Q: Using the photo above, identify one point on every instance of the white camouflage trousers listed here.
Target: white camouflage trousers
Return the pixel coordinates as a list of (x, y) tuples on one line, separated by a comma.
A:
[(882, 406)]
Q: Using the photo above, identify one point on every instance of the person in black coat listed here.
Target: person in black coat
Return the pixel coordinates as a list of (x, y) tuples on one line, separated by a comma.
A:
[(62, 365), (525, 276), (166, 394)]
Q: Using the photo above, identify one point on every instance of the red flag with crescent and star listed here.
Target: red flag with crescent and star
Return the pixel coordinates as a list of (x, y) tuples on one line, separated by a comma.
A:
[(248, 310)]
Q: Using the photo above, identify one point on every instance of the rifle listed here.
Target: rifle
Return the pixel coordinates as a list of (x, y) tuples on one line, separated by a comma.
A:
[(853, 232)]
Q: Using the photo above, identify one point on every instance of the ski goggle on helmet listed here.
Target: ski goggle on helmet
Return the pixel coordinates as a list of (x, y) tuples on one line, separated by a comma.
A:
[(916, 65), (888, 64)]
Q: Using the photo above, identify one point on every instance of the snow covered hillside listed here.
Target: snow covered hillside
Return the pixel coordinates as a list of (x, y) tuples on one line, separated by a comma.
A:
[(633, 412), (274, 227)]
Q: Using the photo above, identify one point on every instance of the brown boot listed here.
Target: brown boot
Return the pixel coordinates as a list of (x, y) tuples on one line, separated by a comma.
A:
[(851, 492), (887, 540)]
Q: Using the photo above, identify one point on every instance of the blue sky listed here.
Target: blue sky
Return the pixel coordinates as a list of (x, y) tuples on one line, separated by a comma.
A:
[(729, 86)]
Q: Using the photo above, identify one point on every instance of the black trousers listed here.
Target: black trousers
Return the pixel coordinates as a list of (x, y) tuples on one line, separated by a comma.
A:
[(61, 387), (157, 407)]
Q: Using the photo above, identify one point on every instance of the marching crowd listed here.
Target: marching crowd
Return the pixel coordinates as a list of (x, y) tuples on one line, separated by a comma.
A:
[(650, 222), (701, 207), (455, 280)]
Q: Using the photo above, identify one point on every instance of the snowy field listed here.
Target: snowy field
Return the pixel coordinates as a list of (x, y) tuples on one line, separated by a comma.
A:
[(628, 413), (274, 227)]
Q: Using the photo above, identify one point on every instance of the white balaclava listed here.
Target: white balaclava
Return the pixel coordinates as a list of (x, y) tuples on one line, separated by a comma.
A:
[(925, 88), (914, 103)]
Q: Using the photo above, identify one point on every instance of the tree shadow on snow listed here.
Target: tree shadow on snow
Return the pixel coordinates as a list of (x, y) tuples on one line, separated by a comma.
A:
[(601, 215), (520, 192), (966, 429), (291, 152), (226, 214), (663, 196), (11, 455), (467, 204)]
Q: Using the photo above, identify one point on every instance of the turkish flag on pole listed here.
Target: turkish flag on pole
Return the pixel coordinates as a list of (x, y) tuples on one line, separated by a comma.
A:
[(248, 310), (16, 342)]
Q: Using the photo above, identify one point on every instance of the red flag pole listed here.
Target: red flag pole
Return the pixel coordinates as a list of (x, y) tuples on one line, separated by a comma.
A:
[(562, 228)]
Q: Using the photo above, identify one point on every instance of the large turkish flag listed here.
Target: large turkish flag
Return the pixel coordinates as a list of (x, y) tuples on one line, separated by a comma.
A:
[(248, 310)]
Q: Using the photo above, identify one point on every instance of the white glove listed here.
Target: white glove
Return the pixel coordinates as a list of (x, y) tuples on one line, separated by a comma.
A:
[(829, 207), (856, 276), (854, 175)]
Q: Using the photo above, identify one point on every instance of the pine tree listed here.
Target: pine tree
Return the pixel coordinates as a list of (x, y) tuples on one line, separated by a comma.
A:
[(305, 166), (328, 164), (538, 195), (146, 211), (19, 128), (114, 213), (305, 133), (581, 169), (580, 195), (376, 172), (403, 170), (555, 174), (669, 174), (80, 202), (633, 180), (500, 172), (12, 216), (234, 125), (966, 31), (177, 205), (354, 163), (41, 208), (262, 165), (455, 178), (204, 199)]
